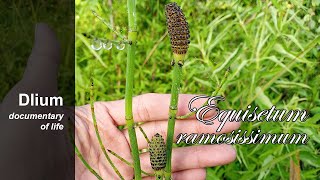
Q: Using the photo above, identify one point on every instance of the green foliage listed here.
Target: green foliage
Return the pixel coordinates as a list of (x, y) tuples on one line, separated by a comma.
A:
[(272, 48)]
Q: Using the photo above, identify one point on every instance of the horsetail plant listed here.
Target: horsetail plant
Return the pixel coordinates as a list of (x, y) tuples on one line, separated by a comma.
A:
[(107, 44), (179, 37), (132, 38), (160, 152), (77, 152), (97, 130), (158, 156), (157, 150), (131, 48)]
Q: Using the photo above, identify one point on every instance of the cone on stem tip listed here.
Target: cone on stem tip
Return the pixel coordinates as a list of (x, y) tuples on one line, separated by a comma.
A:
[(157, 149), (178, 30)]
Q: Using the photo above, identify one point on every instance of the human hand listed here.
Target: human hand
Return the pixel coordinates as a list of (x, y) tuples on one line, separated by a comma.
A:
[(152, 110), (26, 151), (40, 75)]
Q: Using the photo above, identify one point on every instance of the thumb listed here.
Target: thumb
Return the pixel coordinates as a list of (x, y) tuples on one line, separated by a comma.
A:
[(43, 63), (40, 75)]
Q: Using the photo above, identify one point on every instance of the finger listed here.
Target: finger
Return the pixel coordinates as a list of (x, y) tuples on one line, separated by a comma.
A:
[(195, 157), (182, 126), (42, 67), (151, 107), (190, 174)]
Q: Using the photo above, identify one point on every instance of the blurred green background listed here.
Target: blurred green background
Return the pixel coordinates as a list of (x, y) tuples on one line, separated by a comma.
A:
[(272, 48)]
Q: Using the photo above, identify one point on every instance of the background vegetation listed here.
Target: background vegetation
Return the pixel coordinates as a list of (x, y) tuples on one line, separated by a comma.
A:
[(272, 48)]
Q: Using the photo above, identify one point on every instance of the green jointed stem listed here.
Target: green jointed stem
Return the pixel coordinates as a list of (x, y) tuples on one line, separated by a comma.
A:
[(144, 134), (132, 35), (97, 131), (178, 30), (85, 163), (177, 73), (78, 153), (107, 24), (127, 162)]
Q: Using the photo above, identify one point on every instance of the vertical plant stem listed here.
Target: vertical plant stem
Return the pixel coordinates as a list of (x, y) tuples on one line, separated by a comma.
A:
[(132, 36), (78, 153), (86, 164), (176, 79), (97, 130), (127, 162), (179, 48)]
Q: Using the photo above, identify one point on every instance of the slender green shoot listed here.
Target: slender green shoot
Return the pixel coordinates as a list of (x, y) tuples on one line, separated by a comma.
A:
[(127, 162), (78, 153), (86, 163), (108, 25), (144, 134), (97, 130)]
